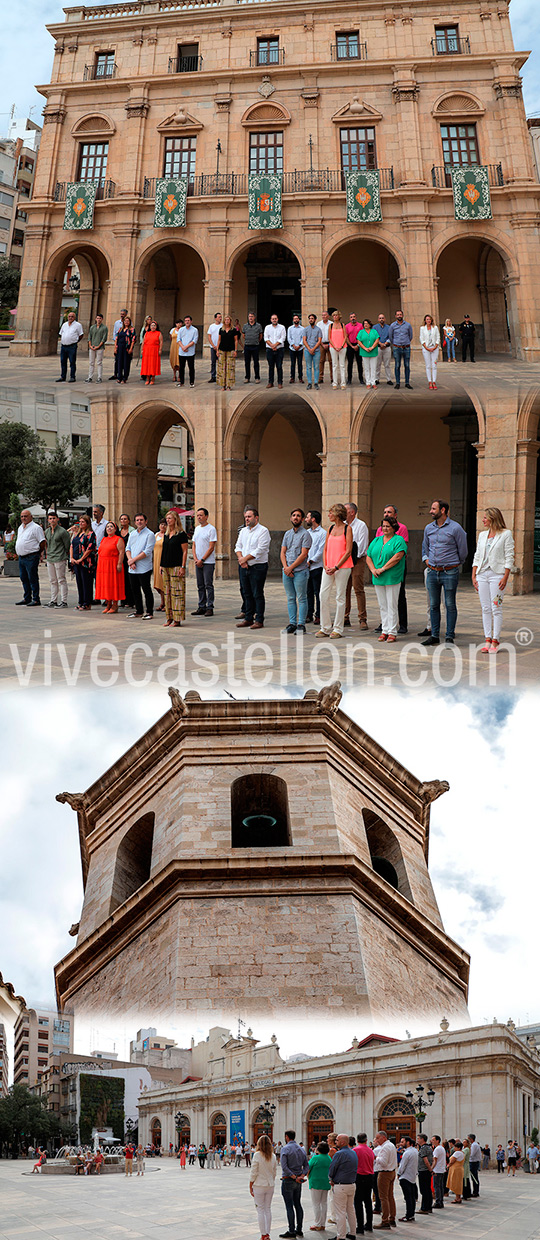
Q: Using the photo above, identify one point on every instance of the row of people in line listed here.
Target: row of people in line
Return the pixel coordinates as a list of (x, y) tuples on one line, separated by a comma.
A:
[(368, 346), (320, 568)]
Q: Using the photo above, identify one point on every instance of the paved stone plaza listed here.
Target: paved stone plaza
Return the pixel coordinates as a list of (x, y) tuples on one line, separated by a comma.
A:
[(29, 640), (197, 1205)]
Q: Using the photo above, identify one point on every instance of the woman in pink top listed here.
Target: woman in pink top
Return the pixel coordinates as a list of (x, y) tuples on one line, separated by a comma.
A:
[(337, 561), (338, 349)]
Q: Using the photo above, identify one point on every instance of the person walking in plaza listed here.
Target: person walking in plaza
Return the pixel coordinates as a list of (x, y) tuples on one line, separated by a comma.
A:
[(70, 333), (363, 1195), (252, 333), (139, 1156), (274, 339), (188, 337), (425, 1165), (386, 1167), (337, 565), (173, 351), (407, 1173), (400, 334), (368, 348), (83, 555), (439, 1172), (353, 352), (390, 510), (139, 551), (444, 550), (110, 569), (129, 1152), (312, 352), (295, 572), (430, 339), (386, 562), (319, 1184), (144, 329), (58, 545), (342, 1175), (202, 1154), (475, 1159), (500, 1159), (151, 354), (226, 354), (454, 1182), (492, 564), (384, 356), (315, 565), (449, 340), (533, 1153), (192, 1154), (183, 1157), (486, 1155), (173, 570), (294, 1169), (467, 331), (325, 324), (125, 344), (30, 545), (97, 337), (295, 341), (156, 558), (511, 1157), (262, 1178), (252, 547), (360, 535), (338, 350), (204, 544), (467, 1187)]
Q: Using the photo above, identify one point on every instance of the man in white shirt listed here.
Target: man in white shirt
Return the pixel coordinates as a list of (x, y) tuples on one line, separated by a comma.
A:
[(274, 339), (204, 554), (295, 339), (30, 546), (438, 1172), (99, 523), (187, 339), (252, 548), (140, 558), (118, 325), (325, 324), (407, 1172), (213, 336), (385, 1169), (315, 565), (475, 1159), (360, 535), (70, 334)]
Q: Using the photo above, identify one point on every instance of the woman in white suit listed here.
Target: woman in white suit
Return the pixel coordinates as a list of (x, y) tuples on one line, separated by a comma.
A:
[(262, 1178), (430, 339), (492, 565)]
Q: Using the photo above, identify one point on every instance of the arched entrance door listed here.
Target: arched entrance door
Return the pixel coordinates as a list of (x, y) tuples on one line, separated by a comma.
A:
[(397, 1120), (472, 279), (183, 1129), (219, 1130), (320, 1122), (363, 278), (266, 280), (154, 464), (78, 280), (171, 285), (155, 1130)]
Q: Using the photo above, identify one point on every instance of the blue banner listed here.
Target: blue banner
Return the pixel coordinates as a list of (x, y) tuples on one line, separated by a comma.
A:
[(237, 1120)]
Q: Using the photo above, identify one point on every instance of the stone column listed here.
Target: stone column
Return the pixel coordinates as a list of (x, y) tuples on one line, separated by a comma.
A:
[(313, 291), (235, 471), (105, 471), (122, 290), (524, 514), (361, 482)]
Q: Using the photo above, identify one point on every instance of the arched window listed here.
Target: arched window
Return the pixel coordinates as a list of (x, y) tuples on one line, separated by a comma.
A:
[(320, 1122), (259, 812), (133, 861), (219, 1130), (155, 1129), (183, 1129), (397, 1119), (386, 855)]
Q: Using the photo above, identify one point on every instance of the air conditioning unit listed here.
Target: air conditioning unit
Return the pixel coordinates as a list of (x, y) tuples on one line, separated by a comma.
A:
[(180, 497)]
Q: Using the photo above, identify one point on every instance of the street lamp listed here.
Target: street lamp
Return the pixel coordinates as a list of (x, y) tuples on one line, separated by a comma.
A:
[(420, 1103), (129, 1129), (265, 1115)]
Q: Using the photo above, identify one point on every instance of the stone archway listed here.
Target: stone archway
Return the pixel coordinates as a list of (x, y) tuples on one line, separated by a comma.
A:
[(170, 284), (397, 1119), (320, 1122), (363, 278), (473, 279), (265, 279), (144, 476), (93, 276)]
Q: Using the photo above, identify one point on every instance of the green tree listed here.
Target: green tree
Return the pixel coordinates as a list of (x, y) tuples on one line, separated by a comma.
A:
[(82, 468), (49, 477), (18, 445), (24, 1117), (10, 280)]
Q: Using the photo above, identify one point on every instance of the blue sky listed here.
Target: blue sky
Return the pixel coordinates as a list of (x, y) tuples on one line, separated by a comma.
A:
[(26, 53)]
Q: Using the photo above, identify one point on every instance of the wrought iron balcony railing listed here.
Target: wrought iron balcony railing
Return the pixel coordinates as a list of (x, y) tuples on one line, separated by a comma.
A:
[(451, 45), (97, 72), (441, 177), (264, 56), (185, 64), (311, 180), (353, 51), (105, 189)]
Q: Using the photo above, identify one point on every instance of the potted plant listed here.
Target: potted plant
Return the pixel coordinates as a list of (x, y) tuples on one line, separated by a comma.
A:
[(11, 560)]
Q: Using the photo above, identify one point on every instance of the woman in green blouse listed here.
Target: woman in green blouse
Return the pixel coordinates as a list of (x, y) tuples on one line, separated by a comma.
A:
[(386, 561), (368, 346)]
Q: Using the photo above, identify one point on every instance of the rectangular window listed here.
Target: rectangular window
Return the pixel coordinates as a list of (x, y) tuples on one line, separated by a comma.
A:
[(18, 237), (7, 199), (459, 144), (93, 162), (188, 58), (357, 149), (347, 45), (104, 64), (268, 51), (446, 40), (180, 154), (266, 152), (5, 224)]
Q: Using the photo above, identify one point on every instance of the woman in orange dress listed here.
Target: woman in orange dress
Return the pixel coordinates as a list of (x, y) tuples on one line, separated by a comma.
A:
[(151, 354), (110, 569)]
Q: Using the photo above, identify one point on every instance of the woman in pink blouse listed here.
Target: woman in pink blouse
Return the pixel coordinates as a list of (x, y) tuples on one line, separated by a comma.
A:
[(338, 350)]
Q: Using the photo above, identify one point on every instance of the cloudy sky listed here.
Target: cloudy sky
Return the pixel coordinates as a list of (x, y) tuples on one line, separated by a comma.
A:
[(484, 842), (26, 61)]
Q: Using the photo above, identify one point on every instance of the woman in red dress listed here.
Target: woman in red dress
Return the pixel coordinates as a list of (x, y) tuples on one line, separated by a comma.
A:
[(151, 354), (110, 569)]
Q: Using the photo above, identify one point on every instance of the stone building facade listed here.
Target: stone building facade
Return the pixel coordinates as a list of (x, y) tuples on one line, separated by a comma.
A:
[(484, 1081), (143, 89), (217, 845)]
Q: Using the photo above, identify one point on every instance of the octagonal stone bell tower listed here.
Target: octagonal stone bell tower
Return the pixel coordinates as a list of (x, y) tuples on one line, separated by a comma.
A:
[(264, 857)]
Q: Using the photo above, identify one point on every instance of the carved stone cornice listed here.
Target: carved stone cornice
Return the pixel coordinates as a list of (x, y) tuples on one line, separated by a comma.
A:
[(508, 90), (310, 95), (223, 103), (137, 107), (406, 92), (54, 114)]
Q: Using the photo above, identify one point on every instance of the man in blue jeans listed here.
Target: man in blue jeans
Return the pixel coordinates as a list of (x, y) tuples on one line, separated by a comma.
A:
[(400, 334), (294, 1169), (444, 550), (294, 556), (30, 546)]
